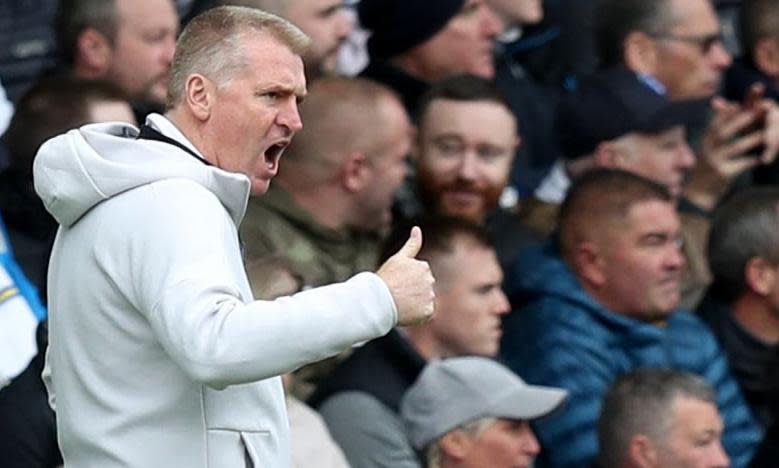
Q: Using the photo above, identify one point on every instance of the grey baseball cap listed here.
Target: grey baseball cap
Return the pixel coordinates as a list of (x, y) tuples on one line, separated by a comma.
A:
[(451, 392)]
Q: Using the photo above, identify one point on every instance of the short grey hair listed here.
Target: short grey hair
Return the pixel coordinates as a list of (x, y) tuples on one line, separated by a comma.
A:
[(640, 402), (475, 428), (211, 44)]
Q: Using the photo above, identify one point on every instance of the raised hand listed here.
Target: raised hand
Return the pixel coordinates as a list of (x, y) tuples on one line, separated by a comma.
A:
[(410, 281)]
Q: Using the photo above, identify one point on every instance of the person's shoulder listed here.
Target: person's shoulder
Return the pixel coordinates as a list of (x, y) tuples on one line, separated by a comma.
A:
[(173, 201), (555, 312), (691, 333), (182, 193), (683, 319), (549, 327), (355, 402)]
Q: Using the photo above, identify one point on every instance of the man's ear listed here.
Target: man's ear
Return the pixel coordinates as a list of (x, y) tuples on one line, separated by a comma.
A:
[(641, 452), (639, 52), (94, 51), (356, 172), (588, 263), (608, 154), (456, 444), (199, 95), (760, 276), (766, 56)]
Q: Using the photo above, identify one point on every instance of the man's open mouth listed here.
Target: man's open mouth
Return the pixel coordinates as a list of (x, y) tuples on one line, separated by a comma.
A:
[(274, 152)]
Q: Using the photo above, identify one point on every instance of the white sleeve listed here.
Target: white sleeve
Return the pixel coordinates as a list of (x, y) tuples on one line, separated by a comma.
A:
[(187, 277)]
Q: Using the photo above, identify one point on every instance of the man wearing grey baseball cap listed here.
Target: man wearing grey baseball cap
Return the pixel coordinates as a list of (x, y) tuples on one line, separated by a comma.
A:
[(472, 412)]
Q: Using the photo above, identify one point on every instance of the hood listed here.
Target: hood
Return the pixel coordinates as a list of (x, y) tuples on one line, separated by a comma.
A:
[(76, 171)]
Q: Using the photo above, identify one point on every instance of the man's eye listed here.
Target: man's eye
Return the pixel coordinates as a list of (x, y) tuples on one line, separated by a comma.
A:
[(156, 36), (490, 153), (449, 147)]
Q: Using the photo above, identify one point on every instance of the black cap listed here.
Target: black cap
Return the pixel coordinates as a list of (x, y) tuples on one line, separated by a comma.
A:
[(616, 102), (397, 26)]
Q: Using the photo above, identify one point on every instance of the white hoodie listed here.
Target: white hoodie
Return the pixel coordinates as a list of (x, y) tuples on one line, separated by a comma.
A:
[(158, 356)]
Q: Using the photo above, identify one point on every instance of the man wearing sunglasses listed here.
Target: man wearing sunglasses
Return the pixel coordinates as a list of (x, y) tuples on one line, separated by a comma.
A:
[(676, 46)]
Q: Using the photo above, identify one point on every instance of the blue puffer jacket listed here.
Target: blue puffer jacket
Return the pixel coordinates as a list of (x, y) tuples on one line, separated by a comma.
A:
[(563, 338)]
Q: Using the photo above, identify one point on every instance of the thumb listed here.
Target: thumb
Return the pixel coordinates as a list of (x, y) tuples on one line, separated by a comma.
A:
[(411, 248)]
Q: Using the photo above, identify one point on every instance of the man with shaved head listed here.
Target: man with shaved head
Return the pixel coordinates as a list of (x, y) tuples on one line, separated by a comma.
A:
[(333, 197), (603, 300)]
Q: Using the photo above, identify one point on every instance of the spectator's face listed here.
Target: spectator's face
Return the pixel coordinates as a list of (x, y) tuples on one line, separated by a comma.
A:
[(464, 45), (143, 49), (111, 111), (505, 444), (464, 156), (641, 261), (255, 114), (518, 12), (693, 440), (469, 301), (664, 157), (387, 166), (686, 65), (326, 23)]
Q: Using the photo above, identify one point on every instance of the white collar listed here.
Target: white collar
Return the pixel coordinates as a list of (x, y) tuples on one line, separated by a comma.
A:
[(163, 125)]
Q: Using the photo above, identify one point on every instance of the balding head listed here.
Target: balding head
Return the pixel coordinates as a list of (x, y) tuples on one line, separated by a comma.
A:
[(598, 203), (352, 149), (341, 116), (618, 230)]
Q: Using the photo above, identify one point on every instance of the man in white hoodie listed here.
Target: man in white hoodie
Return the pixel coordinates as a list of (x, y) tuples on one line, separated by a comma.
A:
[(159, 356)]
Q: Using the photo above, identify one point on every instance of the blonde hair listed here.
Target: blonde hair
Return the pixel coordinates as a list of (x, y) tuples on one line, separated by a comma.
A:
[(211, 44)]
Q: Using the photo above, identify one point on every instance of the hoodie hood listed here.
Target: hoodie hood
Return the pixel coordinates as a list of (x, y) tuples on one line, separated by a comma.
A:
[(75, 171)]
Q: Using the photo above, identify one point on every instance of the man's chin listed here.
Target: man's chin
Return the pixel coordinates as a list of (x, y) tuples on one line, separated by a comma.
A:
[(473, 214)]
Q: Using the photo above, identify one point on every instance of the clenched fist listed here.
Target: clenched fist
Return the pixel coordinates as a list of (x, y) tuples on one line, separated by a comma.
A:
[(410, 282)]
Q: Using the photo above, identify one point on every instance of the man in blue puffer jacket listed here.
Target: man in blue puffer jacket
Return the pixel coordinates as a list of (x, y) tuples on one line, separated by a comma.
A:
[(601, 301)]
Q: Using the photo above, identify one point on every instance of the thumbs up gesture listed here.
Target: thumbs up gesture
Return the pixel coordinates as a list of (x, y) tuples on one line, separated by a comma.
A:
[(410, 282)]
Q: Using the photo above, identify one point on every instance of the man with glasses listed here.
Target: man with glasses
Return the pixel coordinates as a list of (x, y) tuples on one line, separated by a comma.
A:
[(676, 47)]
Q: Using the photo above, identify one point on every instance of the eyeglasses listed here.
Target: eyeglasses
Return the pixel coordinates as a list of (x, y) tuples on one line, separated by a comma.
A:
[(705, 42)]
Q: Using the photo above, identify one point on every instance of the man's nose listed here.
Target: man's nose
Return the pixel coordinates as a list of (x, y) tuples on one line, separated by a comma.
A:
[(290, 118)]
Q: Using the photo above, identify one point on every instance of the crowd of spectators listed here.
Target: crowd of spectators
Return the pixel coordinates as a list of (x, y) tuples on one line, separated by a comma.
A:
[(595, 181)]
